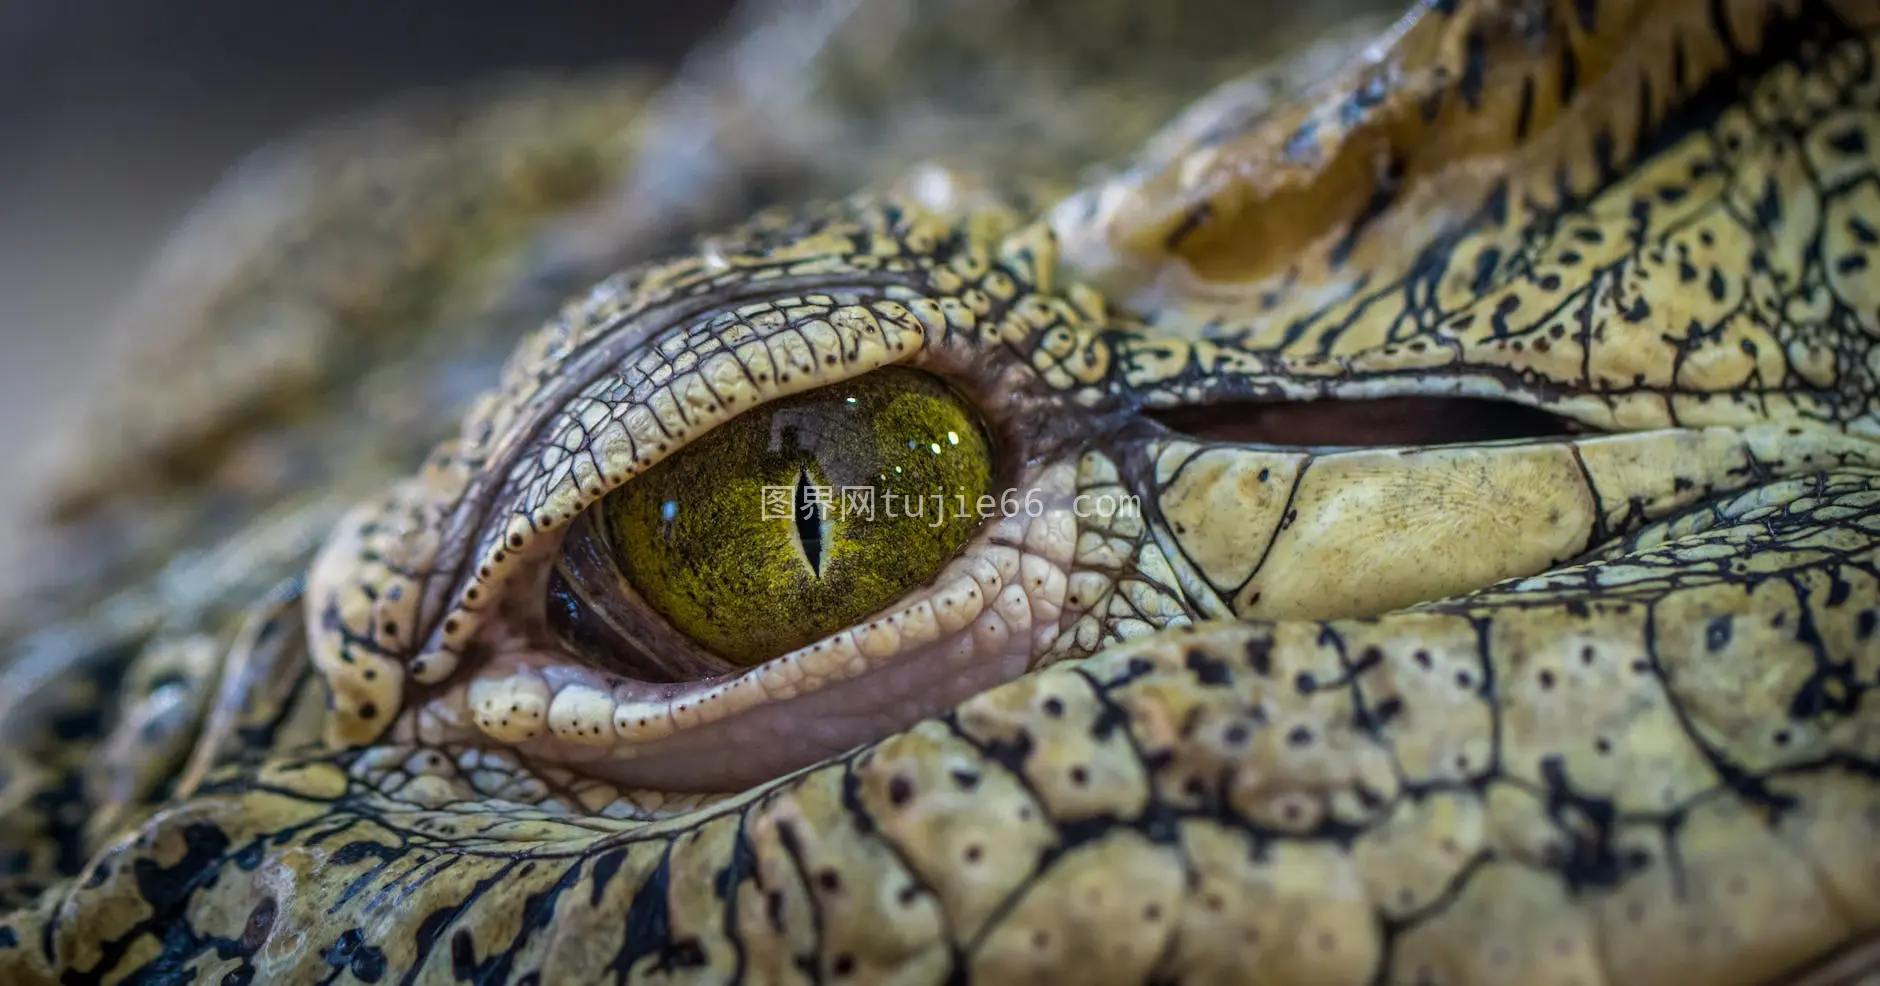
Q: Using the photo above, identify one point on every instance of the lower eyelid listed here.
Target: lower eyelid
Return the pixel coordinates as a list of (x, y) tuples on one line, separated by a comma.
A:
[(980, 624), (773, 738)]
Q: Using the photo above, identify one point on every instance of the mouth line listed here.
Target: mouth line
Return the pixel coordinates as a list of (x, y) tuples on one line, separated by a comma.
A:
[(1386, 422)]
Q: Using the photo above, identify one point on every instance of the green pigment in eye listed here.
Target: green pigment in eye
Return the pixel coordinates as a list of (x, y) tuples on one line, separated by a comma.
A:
[(798, 518)]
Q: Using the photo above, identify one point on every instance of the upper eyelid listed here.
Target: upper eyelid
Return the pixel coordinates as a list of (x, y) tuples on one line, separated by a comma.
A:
[(597, 344), (528, 464)]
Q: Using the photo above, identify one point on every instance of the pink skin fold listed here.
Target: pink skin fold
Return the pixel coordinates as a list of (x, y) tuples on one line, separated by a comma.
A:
[(976, 624)]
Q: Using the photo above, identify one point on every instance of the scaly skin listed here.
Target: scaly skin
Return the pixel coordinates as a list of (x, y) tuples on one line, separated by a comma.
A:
[(1586, 705)]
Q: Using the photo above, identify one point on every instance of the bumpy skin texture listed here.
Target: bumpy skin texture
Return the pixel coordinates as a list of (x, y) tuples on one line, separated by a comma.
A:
[(1597, 705)]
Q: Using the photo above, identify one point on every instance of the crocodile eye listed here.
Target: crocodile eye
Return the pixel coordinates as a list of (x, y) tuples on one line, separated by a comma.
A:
[(780, 526)]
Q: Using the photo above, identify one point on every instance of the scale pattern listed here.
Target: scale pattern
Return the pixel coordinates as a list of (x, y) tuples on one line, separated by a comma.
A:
[(1595, 707)]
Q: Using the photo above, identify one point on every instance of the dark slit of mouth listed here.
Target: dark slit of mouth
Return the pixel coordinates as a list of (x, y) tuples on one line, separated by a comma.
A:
[(1386, 422)]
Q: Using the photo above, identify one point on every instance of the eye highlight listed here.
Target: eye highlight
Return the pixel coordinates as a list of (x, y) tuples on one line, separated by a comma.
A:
[(788, 522)]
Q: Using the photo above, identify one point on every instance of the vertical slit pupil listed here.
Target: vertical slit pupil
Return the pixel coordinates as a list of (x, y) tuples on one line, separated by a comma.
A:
[(808, 523)]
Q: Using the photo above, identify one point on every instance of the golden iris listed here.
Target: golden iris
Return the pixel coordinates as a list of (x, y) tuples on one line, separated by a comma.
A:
[(800, 517)]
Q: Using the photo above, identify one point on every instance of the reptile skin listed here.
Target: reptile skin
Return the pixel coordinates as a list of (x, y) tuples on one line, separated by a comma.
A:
[(1499, 387)]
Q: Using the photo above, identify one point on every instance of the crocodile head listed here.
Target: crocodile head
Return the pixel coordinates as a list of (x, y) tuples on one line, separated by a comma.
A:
[(1415, 526)]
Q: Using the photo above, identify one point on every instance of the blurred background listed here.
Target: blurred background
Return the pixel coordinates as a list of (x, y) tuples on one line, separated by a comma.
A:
[(117, 115)]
